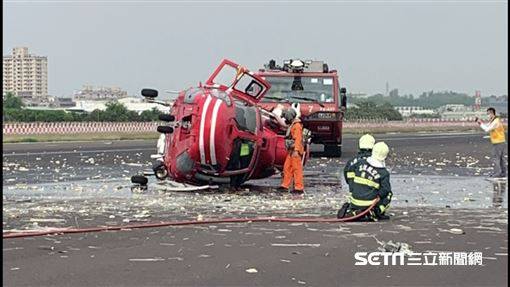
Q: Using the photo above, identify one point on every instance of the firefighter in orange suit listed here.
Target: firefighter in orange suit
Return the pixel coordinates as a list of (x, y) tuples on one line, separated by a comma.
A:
[(293, 166)]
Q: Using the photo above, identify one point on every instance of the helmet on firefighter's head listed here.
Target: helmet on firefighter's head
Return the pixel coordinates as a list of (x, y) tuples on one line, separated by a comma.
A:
[(367, 141), (297, 108), (380, 151), (289, 115)]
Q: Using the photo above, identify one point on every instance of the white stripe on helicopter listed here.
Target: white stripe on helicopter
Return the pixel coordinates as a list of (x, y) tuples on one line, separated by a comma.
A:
[(213, 131), (202, 127)]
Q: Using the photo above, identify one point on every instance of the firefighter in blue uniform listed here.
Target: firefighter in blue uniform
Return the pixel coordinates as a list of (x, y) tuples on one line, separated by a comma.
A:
[(365, 145), (370, 180)]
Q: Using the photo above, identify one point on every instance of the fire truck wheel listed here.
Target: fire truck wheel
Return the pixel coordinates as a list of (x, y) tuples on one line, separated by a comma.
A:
[(333, 150), (139, 179)]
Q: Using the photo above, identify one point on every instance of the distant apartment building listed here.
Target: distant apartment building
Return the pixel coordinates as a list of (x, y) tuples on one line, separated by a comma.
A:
[(91, 93), (25, 75)]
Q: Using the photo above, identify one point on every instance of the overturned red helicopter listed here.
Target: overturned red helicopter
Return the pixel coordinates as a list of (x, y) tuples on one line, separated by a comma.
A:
[(217, 134)]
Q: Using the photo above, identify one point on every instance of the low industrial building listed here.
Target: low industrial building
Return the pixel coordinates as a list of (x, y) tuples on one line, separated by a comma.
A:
[(131, 103), (408, 111), (461, 112)]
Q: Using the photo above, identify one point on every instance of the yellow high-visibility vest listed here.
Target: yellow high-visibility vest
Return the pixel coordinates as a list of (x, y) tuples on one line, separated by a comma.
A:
[(497, 135)]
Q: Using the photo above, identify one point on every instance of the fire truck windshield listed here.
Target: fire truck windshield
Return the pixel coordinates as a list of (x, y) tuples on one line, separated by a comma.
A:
[(319, 89)]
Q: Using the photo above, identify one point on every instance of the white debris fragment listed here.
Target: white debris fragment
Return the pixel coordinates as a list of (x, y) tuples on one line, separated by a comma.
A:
[(296, 245), (147, 259), (251, 270), (54, 220), (456, 231)]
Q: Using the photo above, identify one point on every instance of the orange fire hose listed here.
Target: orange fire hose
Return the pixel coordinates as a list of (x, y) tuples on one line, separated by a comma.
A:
[(186, 222)]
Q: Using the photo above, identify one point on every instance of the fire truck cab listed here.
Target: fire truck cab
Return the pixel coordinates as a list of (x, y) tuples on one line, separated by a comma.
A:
[(317, 90)]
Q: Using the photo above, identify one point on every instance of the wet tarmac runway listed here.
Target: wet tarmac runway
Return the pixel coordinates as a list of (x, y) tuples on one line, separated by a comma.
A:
[(438, 180), (441, 154), (277, 254)]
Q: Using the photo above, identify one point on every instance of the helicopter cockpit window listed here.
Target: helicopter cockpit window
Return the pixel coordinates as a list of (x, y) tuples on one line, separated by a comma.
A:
[(226, 76), (246, 117), (238, 79), (248, 85)]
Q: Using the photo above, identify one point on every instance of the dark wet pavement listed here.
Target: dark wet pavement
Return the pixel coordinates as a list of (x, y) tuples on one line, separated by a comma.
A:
[(270, 254), (439, 183), (438, 154), (71, 181)]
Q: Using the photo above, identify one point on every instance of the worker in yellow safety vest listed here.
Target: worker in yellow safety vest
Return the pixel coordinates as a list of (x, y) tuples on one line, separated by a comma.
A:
[(496, 131)]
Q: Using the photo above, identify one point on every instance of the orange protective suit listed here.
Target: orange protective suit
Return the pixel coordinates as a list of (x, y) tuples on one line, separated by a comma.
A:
[(293, 166)]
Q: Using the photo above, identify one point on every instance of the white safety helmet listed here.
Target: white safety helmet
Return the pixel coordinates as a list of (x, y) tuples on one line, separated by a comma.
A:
[(380, 151), (297, 108), (367, 141)]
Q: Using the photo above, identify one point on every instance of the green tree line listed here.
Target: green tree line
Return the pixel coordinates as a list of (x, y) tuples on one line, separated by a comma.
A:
[(366, 109), (430, 100), (14, 111)]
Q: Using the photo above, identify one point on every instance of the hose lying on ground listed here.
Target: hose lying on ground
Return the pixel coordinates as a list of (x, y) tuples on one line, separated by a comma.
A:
[(186, 222)]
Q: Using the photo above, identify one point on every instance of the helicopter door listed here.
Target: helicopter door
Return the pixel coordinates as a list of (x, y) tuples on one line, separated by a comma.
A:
[(247, 86)]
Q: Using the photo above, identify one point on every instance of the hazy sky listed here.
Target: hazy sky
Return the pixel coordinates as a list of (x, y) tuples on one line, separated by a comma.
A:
[(415, 46)]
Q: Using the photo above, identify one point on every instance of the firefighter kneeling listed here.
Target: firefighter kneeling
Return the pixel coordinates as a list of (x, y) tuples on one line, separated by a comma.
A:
[(369, 180)]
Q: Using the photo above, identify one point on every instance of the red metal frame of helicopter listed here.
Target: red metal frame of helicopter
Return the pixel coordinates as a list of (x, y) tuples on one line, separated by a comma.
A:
[(217, 133)]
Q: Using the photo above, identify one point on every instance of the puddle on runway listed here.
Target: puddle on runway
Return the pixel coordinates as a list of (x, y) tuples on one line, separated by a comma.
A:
[(409, 191), (111, 201), (499, 193)]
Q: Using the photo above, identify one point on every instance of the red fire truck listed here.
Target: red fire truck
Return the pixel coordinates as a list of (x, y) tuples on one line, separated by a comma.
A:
[(316, 89)]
